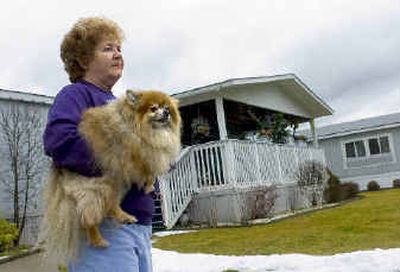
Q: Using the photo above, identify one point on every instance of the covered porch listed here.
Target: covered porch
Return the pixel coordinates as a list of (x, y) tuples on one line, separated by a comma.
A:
[(244, 109), (228, 148)]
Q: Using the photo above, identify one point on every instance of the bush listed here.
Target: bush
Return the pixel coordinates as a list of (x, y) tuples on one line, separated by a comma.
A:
[(373, 186), (396, 183), (8, 233), (348, 190), (332, 191), (336, 191)]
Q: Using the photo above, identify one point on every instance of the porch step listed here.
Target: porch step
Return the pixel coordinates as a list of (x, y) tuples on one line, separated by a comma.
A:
[(157, 221)]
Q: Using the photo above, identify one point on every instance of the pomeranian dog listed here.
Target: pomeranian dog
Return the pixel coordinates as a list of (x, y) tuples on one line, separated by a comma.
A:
[(134, 139)]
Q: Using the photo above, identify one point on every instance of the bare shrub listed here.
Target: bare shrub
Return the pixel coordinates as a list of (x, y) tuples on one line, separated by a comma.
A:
[(311, 179), (260, 202)]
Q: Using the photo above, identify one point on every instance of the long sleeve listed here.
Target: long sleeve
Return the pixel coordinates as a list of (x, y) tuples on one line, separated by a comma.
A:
[(61, 138), (68, 149)]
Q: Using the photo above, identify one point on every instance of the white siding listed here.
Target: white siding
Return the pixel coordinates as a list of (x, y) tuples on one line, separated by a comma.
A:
[(268, 96), (386, 165)]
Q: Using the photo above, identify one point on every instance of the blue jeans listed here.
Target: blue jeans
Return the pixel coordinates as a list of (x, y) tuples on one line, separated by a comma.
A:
[(129, 250)]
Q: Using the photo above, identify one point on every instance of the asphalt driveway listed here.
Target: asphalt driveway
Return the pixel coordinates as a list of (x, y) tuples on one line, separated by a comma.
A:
[(31, 263)]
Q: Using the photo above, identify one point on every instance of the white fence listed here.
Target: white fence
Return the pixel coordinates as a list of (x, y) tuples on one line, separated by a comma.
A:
[(227, 164)]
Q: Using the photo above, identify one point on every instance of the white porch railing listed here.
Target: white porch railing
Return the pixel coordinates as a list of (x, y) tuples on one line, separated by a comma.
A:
[(227, 164)]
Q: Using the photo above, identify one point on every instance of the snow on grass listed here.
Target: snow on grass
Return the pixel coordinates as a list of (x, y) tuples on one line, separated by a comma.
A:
[(377, 260), (171, 232)]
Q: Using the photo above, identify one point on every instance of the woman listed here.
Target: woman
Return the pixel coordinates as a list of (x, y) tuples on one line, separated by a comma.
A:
[(91, 53)]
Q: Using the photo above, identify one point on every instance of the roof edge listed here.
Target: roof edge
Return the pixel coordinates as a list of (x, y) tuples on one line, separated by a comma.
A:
[(313, 94), (25, 96), (234, 82), (356, 131)]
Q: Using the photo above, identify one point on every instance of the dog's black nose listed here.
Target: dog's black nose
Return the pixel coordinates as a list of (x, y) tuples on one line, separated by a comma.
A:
[(165, 114)]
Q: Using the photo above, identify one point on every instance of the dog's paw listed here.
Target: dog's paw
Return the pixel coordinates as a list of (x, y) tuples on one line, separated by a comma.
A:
[(148, 189), (125, 218), (129, 220), (100, 243)]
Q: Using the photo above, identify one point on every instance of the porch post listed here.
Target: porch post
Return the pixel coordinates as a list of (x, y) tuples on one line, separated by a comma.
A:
[(228, 154), (314, 132), (219, 105)]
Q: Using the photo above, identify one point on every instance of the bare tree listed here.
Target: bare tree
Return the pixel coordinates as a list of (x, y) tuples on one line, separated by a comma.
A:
[(20, 135), (311, 180)]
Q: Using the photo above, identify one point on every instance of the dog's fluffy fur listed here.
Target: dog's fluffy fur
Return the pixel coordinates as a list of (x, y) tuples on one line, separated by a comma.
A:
[(133, 139)]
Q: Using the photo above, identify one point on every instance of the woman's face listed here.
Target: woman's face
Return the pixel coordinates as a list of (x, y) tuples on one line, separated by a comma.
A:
[(106, 66)]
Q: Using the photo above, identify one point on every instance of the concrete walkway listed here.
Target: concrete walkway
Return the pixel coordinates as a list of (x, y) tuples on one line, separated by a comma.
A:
[(31, 263)]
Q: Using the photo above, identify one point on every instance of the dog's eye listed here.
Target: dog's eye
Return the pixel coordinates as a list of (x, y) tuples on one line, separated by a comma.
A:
[(153, 108)]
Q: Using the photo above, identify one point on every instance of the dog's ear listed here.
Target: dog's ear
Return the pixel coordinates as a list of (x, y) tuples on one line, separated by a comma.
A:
[(132, 96), (175, 102)]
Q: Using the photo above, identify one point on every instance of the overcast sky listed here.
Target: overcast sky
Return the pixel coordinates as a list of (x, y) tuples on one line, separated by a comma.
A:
[(347, 52)]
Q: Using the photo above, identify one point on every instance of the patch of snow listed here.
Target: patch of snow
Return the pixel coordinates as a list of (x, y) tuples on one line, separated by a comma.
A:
[(171, 232), (377, 260)]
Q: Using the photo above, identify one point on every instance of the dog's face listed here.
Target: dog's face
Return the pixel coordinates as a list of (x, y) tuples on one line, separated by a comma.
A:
[(154, 109)]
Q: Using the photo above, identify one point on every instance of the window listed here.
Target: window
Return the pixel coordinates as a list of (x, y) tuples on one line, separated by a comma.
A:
[(373, 146), (360, 148), (350, 150), (355, 149), (384, 141), (367, 147), (379, 145)]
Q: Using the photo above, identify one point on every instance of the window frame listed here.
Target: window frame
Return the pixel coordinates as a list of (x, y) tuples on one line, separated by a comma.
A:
[(368, 154)]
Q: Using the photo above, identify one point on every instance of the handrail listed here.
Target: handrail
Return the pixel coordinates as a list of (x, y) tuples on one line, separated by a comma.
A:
[(227, 164)]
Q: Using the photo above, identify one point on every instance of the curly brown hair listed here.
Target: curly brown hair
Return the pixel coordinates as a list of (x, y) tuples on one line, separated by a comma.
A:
[(78, 45)]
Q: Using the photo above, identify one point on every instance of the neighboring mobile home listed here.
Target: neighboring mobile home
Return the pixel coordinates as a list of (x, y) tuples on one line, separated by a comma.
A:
[(364, 150)]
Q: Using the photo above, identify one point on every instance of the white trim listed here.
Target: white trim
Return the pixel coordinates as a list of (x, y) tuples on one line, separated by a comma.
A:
[(216, 87), (367, 151), (314, 132), (314, 95), (391, 143), (219, 87), (363, 130), (25, 97), (219, 106)]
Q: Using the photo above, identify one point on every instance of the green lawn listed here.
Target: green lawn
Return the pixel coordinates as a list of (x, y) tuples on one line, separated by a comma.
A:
[(373, 221)]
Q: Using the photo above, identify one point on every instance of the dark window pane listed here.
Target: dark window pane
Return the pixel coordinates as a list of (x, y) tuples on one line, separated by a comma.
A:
[(360, 148), (373, 146), (384, 141), (350, 150)]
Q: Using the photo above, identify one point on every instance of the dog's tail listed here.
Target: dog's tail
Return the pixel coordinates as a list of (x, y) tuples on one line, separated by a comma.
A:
[(60, 231)]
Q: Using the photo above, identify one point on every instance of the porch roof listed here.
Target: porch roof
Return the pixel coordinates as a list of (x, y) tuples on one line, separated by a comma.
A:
[(289, 85)]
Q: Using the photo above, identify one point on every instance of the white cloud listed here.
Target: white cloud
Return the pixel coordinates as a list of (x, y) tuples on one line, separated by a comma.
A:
[(334, 46)]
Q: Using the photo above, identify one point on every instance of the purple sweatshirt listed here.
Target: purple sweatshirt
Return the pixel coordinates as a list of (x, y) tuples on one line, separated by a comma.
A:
[(67, 149)]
